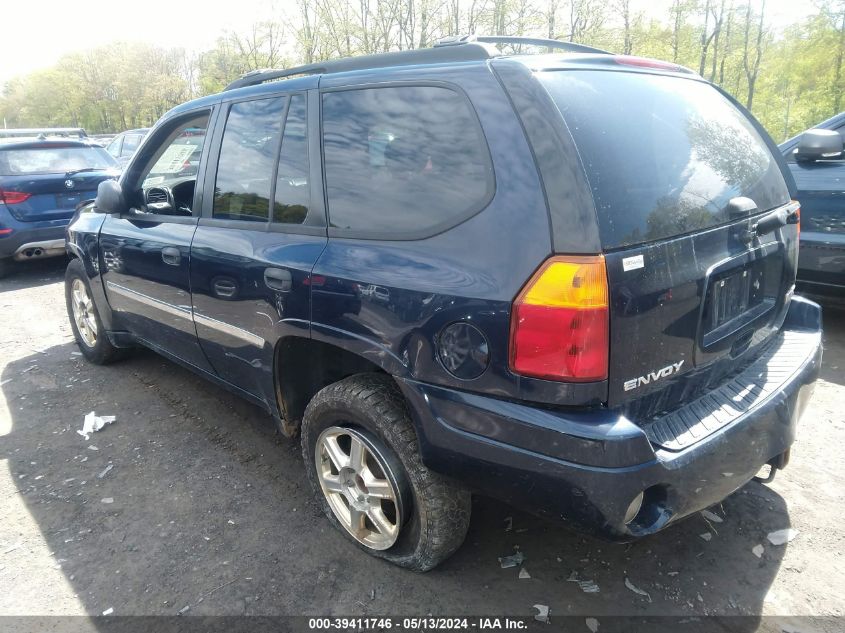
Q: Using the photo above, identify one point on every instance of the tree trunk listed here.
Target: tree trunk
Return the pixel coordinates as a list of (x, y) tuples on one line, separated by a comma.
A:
[(837, 79), (727, 52), (717, 32), (676, 31), (753, 68)]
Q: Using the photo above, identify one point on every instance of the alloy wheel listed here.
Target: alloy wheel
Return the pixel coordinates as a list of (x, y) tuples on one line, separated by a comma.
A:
[(360, 487), (83, 313)]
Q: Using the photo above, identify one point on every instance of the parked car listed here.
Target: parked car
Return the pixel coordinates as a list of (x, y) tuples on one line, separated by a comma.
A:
[(41, 183), (565, 281), (103, 140), (817, 163), (124, 145), (43, 132)]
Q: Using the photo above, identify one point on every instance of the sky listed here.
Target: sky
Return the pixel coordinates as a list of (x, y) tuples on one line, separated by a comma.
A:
[(37, 33)]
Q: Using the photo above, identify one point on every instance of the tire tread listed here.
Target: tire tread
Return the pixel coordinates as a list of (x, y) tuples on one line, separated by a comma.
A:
[(442, 507)]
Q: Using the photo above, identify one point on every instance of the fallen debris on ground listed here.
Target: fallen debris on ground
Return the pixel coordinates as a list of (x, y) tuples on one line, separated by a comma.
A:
[(542, 614), (94, 423), (636, 589), (514, 560), (781, 537)]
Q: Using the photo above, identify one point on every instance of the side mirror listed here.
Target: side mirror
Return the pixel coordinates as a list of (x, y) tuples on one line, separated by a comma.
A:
[(110, 198), (819, 145)]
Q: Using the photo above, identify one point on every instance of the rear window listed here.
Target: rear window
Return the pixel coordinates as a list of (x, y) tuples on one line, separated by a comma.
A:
[(663, 155), (53, 160)]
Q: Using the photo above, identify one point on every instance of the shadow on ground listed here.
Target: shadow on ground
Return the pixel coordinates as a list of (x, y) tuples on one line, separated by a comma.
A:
[(33, 273), (833, 367), (192, 500)]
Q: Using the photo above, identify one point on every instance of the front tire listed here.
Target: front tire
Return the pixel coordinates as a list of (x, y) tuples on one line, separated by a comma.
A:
[(84, 318), (363, 462)]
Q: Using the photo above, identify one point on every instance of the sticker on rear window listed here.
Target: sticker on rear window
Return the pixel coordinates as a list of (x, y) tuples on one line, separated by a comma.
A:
[(632, 263)]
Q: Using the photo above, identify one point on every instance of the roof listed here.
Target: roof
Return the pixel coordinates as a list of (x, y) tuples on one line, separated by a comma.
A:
[(77, 132), (137, 130), (36, 143), (462, 48), (459, 49)]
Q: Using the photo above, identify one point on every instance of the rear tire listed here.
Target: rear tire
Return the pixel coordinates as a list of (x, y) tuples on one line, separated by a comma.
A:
[(84, 318), (431, 513)]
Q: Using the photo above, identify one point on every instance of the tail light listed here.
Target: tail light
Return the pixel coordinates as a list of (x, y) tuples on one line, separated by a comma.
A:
[(13, 197), (559, 321)]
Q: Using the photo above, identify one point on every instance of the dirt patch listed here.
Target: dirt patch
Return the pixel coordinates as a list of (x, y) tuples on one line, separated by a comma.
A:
[(210, 510)]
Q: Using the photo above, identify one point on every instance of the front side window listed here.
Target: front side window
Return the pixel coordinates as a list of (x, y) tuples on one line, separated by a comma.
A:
[(403, 159), (247, 158), (169, 178)]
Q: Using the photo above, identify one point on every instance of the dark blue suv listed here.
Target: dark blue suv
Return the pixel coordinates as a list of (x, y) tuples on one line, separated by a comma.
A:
[(563, 280), (42, 180), (817, 162)]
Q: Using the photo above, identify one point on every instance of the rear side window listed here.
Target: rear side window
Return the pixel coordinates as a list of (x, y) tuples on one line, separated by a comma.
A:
[(663, 155), (247, 158), (293, 196), (403, 159), (53, 160)]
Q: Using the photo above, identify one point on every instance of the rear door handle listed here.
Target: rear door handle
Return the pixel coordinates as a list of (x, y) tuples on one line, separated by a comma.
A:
[(278, 279), (224, 288), (775, 220), (171, 255)]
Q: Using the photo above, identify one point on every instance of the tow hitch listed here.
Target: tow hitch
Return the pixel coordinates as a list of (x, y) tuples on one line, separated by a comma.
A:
[(775, 464)]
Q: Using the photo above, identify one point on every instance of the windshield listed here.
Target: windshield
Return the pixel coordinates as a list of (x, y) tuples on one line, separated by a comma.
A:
[(663, 155), (53, 160)]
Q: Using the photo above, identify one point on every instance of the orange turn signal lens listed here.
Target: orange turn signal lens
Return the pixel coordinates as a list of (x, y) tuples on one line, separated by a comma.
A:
[(568, 282)]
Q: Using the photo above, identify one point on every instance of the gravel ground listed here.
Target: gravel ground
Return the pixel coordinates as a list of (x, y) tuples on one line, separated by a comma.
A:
[(191, 503)]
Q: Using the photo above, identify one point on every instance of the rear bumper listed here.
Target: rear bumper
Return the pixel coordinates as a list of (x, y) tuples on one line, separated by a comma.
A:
[(47, 236), (586, 468)]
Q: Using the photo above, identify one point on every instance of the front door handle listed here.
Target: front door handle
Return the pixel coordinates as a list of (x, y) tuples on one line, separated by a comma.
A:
[(171, 255), (278, 279)]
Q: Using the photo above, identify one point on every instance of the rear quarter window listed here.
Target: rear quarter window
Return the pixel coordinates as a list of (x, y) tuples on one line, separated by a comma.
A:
[(403, 160), (663, 155)]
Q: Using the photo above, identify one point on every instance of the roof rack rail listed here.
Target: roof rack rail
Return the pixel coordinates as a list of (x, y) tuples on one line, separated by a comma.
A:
[(513, 40), (456, 48), (43, 131), (367, 62), (571, 47)]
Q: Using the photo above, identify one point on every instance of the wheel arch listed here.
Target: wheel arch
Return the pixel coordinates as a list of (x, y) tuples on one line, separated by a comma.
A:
[(303, 366)]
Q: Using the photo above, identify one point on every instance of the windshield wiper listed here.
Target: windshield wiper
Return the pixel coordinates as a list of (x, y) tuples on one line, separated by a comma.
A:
[(73, 172)]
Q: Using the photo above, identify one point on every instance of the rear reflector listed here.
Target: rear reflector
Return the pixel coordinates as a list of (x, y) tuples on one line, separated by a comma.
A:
[(559, 322), (13, 197), (5, 232)]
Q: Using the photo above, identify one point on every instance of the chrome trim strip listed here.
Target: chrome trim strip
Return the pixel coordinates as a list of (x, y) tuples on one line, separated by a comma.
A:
[(228, 328), (140, 297), (188, 313)]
